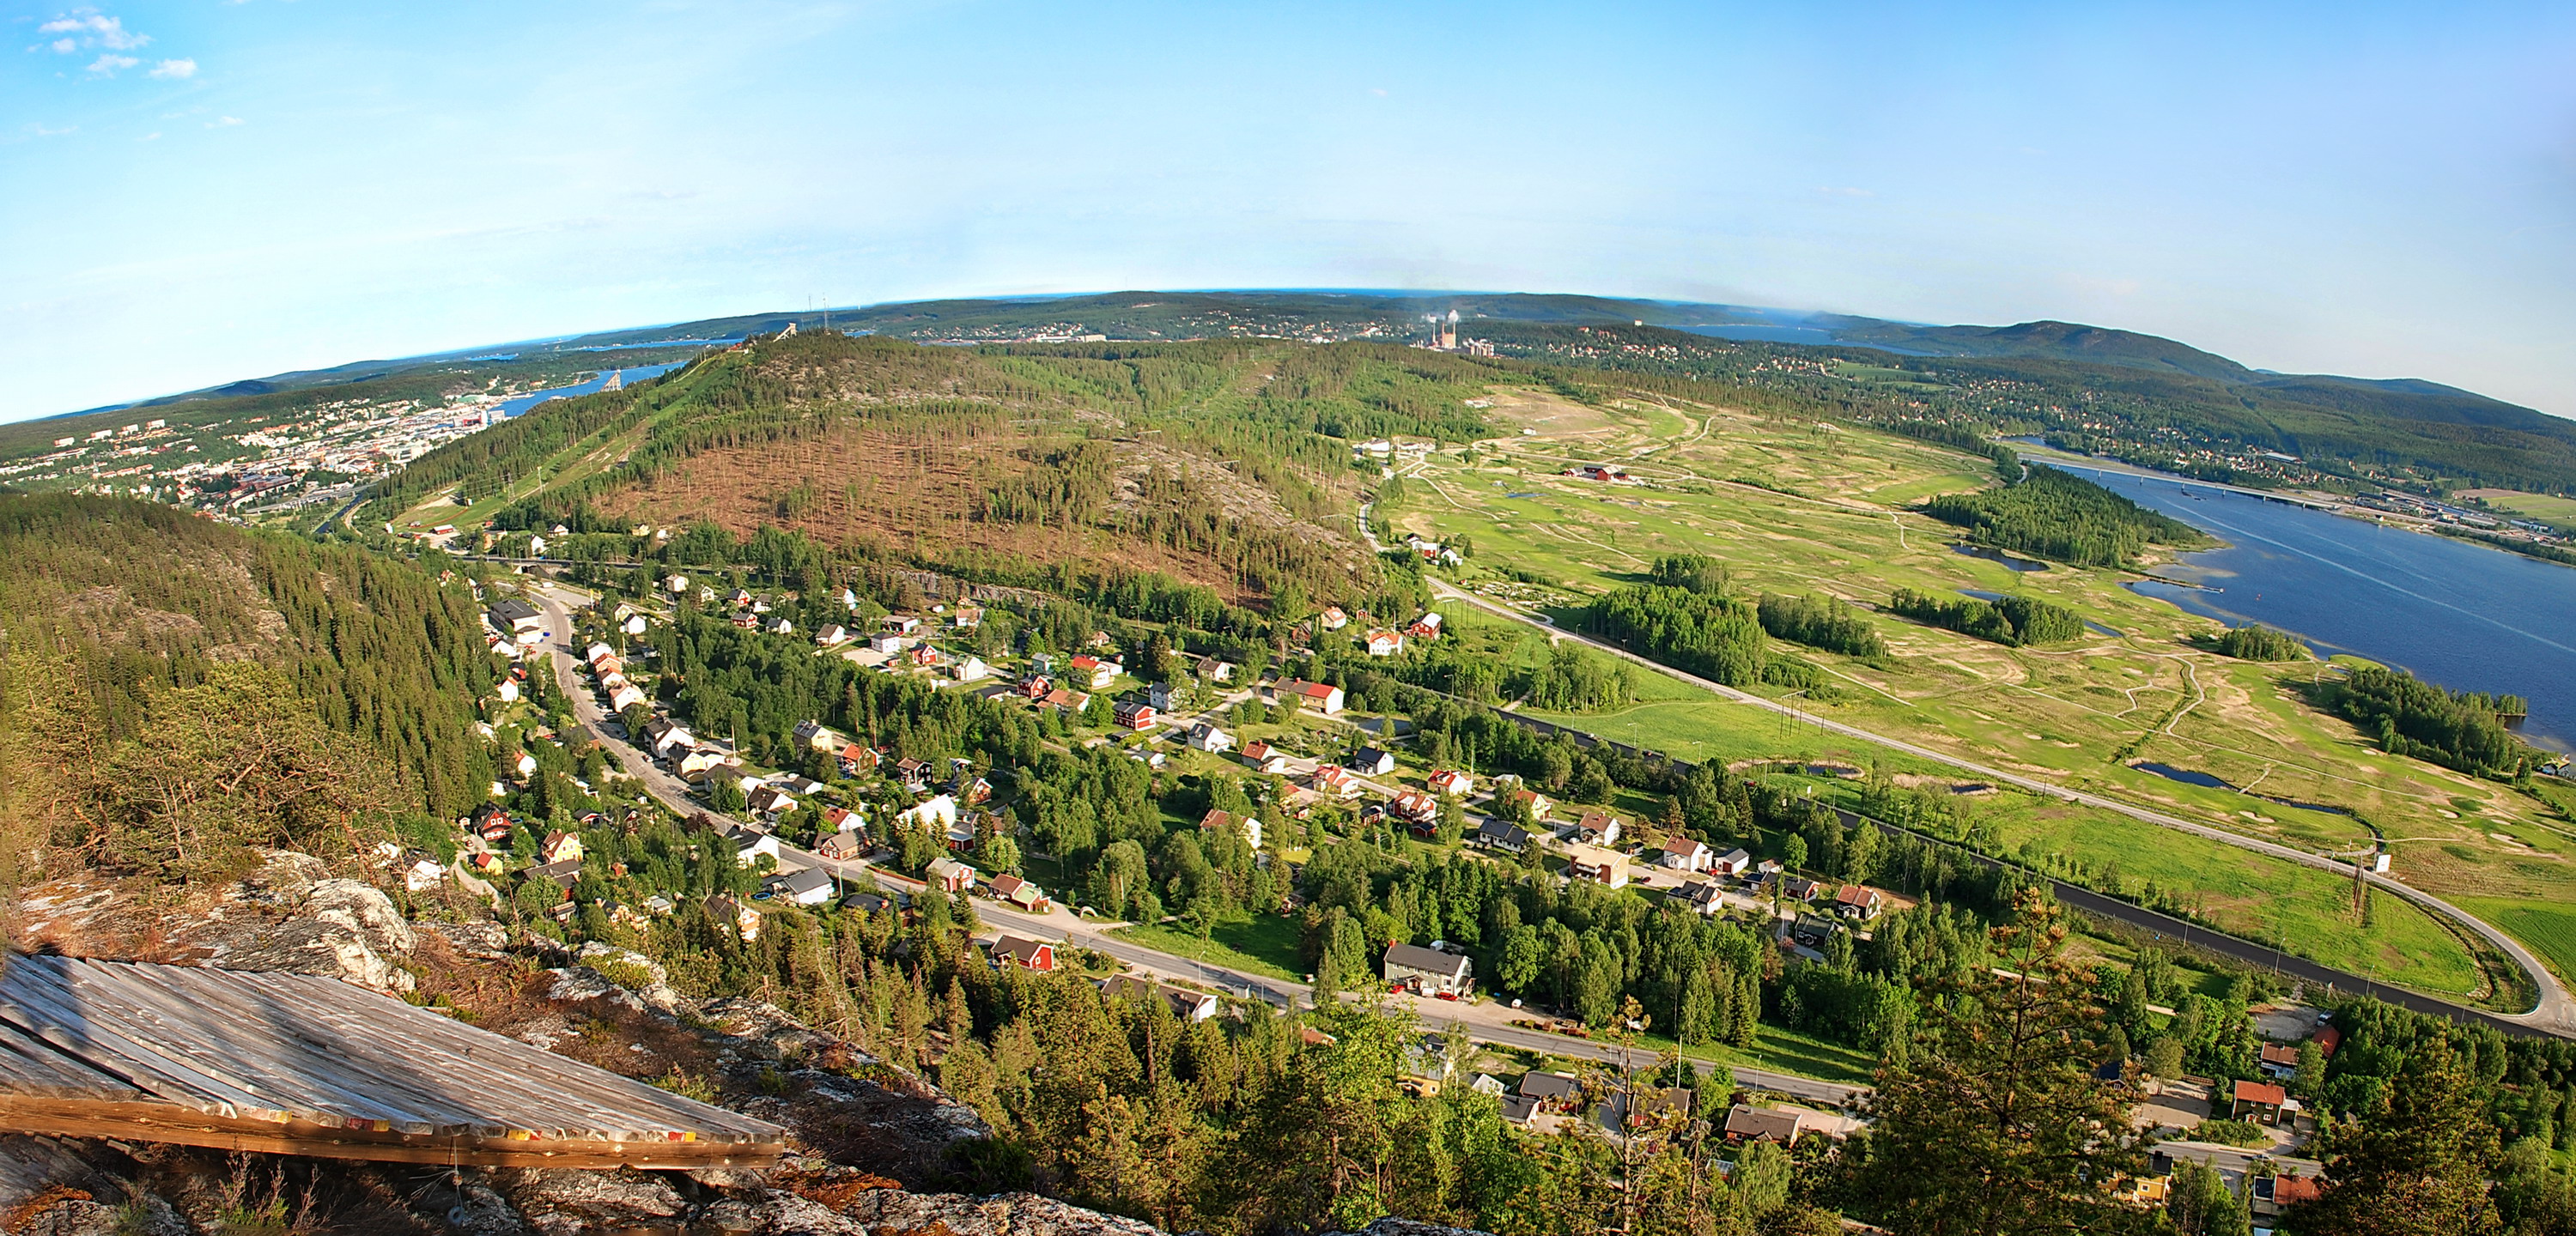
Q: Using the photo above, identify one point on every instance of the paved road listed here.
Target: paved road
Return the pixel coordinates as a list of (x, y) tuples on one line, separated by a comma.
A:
[(1487, 1022), (2555, 1013)]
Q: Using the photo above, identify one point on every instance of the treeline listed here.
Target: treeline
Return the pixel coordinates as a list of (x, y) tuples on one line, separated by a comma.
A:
[(1961, 437), (2456, 729), (1710, 635), (1822, 622), (1484, 665), (2261, 643), (336, 688), (2010, 620), (2061, 516)]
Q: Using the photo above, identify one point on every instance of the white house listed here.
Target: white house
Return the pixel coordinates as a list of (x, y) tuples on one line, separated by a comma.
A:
[(750, 844), (972, 669), (635, 624), (1734, 862), (1322, 697), (938, 814), (805, 886), (623, 697), (592, 654), (671, 737), (1210, 739), (833, 635), (697, 763), (508, 691), (889, 642), (1685, 854)]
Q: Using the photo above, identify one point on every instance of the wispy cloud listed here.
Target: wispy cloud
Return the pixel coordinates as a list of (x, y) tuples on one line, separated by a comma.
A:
[(109, 62), (175, 69), (149, 137), (225, 122), (91, 28), (38, 130)]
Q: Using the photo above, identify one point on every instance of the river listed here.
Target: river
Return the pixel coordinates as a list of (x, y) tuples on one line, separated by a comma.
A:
[(2463, 615), (518, 404)]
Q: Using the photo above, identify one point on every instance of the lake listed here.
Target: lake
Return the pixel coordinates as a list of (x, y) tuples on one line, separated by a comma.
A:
[(518, 404), (2463, 615)]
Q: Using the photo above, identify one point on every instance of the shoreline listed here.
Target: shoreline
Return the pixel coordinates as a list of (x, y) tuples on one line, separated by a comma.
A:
[(2313, 500)]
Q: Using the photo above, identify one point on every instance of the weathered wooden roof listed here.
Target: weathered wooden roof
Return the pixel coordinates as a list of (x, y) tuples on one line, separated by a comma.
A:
[(304, 1064)]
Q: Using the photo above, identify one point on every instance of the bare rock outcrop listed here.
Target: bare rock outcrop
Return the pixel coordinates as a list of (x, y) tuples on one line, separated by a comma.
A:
[(301, 920)]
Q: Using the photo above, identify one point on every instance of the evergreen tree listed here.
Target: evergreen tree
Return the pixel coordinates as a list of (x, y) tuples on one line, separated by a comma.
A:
[(2202, 1205), (1996, 1126), (2416, 1162)]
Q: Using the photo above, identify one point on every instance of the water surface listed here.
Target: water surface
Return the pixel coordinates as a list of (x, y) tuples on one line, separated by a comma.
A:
[(2464, 615)]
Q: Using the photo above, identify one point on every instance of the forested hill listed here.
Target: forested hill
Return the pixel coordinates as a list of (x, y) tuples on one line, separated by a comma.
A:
[(174, 691), (1223, 465), (2133, 396), (2065, 341)]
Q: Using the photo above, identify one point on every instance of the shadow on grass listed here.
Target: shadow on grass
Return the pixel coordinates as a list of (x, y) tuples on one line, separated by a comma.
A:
[(1263, 944)]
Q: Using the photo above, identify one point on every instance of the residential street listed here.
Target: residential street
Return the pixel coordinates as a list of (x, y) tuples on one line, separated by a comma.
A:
[(1488, 1021)]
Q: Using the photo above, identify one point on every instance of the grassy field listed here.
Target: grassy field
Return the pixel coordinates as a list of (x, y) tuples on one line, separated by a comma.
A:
[(1263, 944), (1794, 507), (2550, 507), (2549, 930)]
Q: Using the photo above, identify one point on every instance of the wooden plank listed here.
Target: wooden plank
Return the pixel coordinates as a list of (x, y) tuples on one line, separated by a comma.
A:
[(311, 1076), (546, 1089), (28, 1065), (160, 1123), (253, 1060), (40, 1009), (562, 1078)]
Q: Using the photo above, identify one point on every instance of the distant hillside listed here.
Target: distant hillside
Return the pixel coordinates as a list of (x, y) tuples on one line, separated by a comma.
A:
[(2401, 431), (1223, 465), (2050, 340)]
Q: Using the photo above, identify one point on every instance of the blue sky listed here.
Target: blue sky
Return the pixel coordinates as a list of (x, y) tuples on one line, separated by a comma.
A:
[(196, 192)]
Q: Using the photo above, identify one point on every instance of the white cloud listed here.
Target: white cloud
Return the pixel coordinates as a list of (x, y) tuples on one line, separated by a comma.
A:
[(66, 46), (224, 123), (38, 130), (175, 68), (149, 137), (109, 62), (95, 29)]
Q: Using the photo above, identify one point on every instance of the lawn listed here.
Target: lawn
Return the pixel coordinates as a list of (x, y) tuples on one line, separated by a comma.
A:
[(1263, 944), (1781, 1051), (2245, 893), (2549, 931)]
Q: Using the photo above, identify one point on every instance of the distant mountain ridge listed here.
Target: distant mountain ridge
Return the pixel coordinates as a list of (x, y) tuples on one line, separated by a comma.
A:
[(1127, 314), (2425, 429)]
